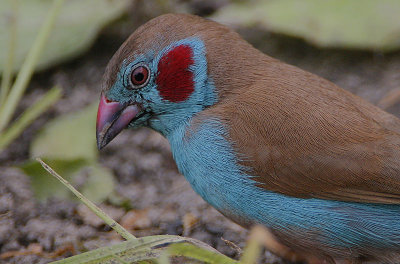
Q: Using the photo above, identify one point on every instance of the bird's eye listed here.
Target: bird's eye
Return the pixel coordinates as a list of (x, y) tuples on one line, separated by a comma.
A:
[(139, 76)]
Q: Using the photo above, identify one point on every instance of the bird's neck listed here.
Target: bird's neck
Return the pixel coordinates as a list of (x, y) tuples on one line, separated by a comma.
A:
[(167, 123), (206, 159)]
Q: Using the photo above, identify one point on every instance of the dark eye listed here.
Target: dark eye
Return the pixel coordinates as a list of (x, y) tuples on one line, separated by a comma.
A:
[(139, 76)]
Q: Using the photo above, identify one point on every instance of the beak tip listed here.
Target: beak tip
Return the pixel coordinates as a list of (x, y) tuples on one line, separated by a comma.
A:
[(101, 143), (99, 146)]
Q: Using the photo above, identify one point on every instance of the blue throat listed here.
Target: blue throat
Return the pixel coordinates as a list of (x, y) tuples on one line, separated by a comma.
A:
[(208, 162)]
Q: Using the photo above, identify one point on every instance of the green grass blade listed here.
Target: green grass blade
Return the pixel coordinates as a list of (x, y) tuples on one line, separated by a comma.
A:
[(9, 62), (164, 258), (28, 116), (108, 220), (141, 250), (128, 250), (24, 75), (194, 252), (145, 250)]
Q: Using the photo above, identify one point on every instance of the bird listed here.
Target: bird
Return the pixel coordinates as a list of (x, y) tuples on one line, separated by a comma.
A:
[(263, 142)]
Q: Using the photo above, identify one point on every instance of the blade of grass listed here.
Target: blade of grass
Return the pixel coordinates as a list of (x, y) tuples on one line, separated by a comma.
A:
[(24, 75), (164, 258), (149, 248), (193, 252), (127, 250), (108, 220), (120, 260), (143, 250), (28, 116), (12, 43)]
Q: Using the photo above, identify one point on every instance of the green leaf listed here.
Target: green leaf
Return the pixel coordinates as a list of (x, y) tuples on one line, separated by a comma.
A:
[(95, 209), (367, 24), (63, 142), (75, 29), (98, 181), (68, 137), (45, 186), (99, 184), (198, 253)]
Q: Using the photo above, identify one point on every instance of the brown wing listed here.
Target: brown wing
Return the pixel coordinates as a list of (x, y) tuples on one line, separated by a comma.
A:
[(301, 135)]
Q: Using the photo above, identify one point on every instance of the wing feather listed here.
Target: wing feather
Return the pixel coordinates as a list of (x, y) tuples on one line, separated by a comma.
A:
[(301, 135)]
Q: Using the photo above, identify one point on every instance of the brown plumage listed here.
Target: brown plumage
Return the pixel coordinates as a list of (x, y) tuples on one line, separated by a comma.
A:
[(314, 139)]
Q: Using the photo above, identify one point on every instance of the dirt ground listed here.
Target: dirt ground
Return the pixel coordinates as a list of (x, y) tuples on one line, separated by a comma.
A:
[(161, 200)]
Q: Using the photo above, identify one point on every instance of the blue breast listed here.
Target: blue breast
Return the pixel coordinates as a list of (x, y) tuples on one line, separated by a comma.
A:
[(209, 163)]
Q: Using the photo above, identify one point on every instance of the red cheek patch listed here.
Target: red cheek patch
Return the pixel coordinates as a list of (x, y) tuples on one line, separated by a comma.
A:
[(174, 79)]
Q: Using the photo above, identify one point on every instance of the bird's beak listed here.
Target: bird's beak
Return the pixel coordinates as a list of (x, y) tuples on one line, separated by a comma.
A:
[(112, 118)]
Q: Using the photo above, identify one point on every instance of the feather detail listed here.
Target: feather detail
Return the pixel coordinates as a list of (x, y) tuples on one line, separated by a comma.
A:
[(174, 77), (314, 140)]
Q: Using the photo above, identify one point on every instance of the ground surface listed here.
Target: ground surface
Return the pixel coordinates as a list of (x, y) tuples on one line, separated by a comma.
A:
[(162, 200)]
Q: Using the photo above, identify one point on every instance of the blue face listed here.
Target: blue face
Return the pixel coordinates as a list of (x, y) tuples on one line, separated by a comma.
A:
[(170, 86)]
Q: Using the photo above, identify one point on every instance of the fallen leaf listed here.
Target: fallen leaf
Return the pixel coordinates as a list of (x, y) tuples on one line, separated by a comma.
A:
[(136, 219), (189, 221), (68, 248), (32, 249), (45, 185), (68, 137), (99, 184), (68, 144)]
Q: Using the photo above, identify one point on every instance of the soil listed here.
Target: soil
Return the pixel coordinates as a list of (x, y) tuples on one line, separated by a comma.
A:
[(160, 199)]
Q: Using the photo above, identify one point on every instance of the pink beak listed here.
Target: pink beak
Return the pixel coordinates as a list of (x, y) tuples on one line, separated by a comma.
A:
[(112, 118)]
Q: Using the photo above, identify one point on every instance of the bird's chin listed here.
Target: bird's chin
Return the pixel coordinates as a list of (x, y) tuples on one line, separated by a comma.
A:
[(141, 120), (113, 117)]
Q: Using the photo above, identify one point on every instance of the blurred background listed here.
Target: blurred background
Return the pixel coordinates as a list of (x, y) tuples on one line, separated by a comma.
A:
[(50, 91)]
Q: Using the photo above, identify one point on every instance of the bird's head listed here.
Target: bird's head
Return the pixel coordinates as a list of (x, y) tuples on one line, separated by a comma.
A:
[(165, 73)]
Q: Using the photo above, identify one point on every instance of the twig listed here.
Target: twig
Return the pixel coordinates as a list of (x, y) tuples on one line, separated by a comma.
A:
[(108, 220), (233, 246)]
